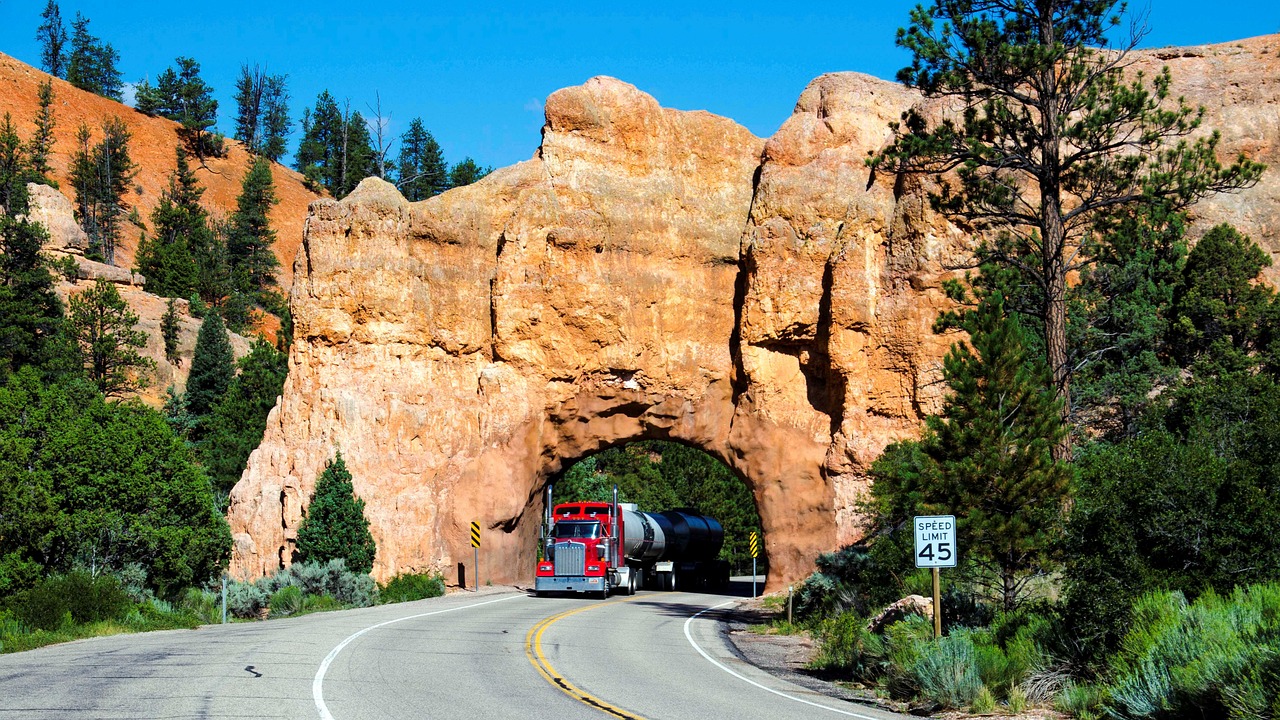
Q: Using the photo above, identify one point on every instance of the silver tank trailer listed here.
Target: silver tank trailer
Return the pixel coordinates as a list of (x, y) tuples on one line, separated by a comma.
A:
[(679, 535)]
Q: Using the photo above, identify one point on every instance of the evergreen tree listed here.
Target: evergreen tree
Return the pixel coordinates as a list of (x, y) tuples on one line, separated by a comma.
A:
[(52, 36), (106, 482), (169, 327), (276, 124), (165, 257), (467, 172), (103, 326), (1223, 316), (334, 526), (359, 160), (100, 177), (212, 367), (31, 314), (240, 418), (421, 168), (319, 152), (987, 457), (92, 63), (1054, 136), (213, 282), (250, 236), (184, 96), (262, 112), (42, 142)]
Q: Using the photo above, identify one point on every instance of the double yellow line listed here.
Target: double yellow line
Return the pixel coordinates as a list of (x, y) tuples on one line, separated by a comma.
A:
[(533, 649)]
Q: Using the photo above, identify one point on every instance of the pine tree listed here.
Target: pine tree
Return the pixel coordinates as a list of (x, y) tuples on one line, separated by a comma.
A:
[(42, 141), (103, 326), (92, 63), (100, 177), (182, 95), (262, 112), (250, 236), (467, 172), (1054, 136), (31, 314), (169, 327), (358, 157), (319, 152), (212, 367), (240, 418), (165, 258), (987, 457), (52, 36), (421, 168), (334, 526)]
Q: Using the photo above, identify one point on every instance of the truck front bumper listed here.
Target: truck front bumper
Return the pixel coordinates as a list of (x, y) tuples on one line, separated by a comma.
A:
[(568, 583)]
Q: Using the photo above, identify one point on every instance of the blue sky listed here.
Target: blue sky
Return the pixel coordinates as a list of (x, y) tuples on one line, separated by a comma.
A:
[(478, 75)]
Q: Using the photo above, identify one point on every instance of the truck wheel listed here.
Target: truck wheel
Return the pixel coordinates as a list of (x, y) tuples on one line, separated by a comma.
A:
[(671, 581), (604, 593), (631, 584)]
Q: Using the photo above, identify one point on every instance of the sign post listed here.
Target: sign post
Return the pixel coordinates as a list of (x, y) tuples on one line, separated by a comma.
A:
[(755, 552), (475, 544), (936, 548)]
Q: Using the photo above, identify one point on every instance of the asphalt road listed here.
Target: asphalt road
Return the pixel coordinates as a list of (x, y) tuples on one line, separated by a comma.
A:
[(492, 654)]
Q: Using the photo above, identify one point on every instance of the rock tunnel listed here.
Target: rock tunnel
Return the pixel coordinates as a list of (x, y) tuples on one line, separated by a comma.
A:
[(648, 274)]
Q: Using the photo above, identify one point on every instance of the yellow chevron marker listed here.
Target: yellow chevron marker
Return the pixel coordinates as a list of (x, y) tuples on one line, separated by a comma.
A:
[(475, 534)]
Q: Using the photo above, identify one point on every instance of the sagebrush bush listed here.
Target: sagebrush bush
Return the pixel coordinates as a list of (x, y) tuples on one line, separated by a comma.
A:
[(410, 586), (946, 671), (311, 579), (285, 602), (902, 644), (245, 600), (1217, 657), (204, 605)]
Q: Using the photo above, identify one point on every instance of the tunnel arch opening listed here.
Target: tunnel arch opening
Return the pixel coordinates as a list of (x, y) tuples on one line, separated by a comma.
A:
[(682, 490)]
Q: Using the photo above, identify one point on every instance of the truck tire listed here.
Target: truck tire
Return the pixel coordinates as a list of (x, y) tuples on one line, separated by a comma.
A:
[(631, 583)]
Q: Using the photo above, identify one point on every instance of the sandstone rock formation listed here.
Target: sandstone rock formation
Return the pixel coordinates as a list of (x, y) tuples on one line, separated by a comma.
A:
[(649, 274)]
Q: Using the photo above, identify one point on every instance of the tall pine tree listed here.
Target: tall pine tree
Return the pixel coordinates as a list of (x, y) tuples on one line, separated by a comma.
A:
[(240, 418), (52, 36), (262, 112), (41, 145), (421, 168), (318, 157), (184, 96), (104, 328), (250, 237), (92, 63), (1055, 136), (212, 367), (179, 223), (100, 177)]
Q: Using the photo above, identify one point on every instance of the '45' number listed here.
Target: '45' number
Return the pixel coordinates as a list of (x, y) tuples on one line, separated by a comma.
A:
[(943, 552)]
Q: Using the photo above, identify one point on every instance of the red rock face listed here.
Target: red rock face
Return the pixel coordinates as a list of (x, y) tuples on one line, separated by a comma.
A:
[(649, 274)]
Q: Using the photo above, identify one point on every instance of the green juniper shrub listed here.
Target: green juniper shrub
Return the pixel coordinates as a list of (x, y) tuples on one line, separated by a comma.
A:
[(75, 598), (411, 586), (334, 526)]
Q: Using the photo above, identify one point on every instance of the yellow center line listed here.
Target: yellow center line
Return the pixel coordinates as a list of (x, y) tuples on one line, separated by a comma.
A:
[(533, 649)]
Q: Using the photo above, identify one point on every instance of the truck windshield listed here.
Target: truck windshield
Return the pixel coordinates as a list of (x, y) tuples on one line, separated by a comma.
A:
[(576, 529)]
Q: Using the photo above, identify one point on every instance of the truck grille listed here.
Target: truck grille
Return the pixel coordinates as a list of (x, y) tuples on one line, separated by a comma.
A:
[(571, 558)]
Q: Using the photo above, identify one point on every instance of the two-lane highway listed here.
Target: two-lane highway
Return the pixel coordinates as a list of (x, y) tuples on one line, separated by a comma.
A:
[(500, 654)]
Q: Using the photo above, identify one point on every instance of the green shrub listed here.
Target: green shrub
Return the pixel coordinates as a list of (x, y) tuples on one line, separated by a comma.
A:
[(408, 587), (76, 597), (285, 602), (1079, 701), (319, 603), (1017, 700), (245, 600), (946, 671), (1217, 657), (985, 702), (845, 645), (902, 644), (203, 605)]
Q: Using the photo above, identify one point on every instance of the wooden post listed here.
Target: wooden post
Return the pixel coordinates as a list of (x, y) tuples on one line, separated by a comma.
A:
[(937, 605)]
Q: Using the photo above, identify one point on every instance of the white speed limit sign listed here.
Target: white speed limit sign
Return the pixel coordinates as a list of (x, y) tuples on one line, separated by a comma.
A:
[(935, 541)]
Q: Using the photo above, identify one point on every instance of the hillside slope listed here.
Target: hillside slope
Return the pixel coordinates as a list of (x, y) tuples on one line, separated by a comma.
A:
[(152, 148)]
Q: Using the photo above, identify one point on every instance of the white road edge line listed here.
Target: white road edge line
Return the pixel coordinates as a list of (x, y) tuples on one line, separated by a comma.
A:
[(317, 685), (689, 636)]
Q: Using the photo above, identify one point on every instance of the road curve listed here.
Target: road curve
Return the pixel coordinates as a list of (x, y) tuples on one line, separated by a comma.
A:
[(468, 655)]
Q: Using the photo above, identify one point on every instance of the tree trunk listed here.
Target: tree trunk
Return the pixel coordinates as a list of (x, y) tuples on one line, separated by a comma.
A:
[(1053, 231)]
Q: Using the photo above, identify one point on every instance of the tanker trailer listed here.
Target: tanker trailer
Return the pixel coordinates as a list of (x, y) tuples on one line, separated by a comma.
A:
[(596, 547)]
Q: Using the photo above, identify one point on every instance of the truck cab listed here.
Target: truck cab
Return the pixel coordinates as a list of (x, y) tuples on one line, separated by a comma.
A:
[(579, 550)]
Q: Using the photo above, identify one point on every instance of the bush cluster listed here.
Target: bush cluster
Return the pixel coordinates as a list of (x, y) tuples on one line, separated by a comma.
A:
[(409, 586), (309, 580)]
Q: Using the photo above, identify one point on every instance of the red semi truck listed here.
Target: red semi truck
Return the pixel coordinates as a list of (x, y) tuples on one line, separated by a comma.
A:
[(597, 547)]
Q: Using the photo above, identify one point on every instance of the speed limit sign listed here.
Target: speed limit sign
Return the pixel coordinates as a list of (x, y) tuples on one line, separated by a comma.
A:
[(935, 541)]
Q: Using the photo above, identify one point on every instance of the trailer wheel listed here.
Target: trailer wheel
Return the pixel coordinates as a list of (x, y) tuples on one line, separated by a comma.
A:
[(670, 581), (631, 584)]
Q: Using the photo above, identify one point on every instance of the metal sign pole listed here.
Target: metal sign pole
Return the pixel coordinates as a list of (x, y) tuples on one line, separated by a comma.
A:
[(753, 577), (477, 569)]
